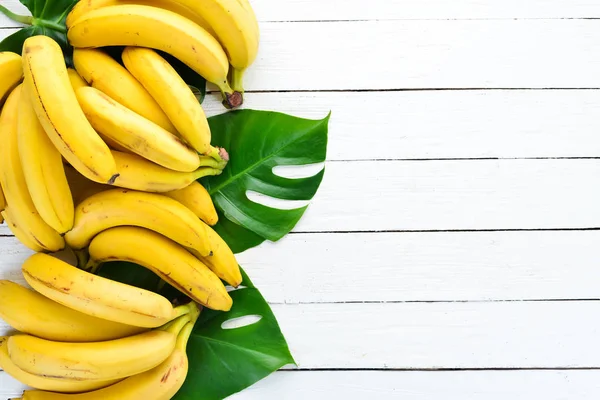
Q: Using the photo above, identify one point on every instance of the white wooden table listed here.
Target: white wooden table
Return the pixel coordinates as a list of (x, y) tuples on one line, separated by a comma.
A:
[(453, 250)]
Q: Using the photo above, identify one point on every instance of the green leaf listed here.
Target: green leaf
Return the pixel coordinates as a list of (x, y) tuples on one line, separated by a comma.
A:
[(47, 18), (258, 141), (224, 361), (237, 237), (129, 273)]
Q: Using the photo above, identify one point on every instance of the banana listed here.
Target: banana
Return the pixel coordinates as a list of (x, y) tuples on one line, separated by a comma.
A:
[(94, 361), (2, 204), (161, 30), (105, 74), (84, 7), (196, 198), (95, 295), (81, 187), (135, 132), (222, 260), (173, 263), (172, 94), (43, 383), (159, 383), (11, 73), (137, 173), (118, 207), (43, 170), (30, 312), (24, 218), (55, 103), (236, 27), (76, 80), (20, 232)]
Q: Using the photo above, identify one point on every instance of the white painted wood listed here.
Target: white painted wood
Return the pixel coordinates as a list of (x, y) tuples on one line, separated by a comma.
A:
[(471, 266), (473, 385), (413, 385), (426, 54), (445, 124)]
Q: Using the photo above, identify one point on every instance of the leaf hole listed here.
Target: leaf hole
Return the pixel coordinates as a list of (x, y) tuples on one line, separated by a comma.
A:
[(240, 322), (274, 202), (233, 289), (298, 171)]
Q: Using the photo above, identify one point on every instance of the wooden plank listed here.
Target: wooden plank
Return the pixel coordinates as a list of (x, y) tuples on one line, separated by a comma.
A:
[(341, 10), (410, 385), (392, 267), (452, 195), (403, 385), (469, 335), (445, 124), (426, 54)]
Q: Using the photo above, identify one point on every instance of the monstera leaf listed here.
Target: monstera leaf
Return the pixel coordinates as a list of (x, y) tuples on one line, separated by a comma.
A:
[(224, 361), (259, 141)]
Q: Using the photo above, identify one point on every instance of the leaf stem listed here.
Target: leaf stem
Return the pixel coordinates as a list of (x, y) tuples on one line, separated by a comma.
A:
[(49, 24), (22, 19)]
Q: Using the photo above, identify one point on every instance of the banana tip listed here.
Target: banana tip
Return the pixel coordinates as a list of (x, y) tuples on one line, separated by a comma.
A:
[(113, 178), (223, 154)]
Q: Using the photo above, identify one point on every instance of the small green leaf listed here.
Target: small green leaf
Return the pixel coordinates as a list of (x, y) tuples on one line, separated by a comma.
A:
[(224, 361), (258, 141)]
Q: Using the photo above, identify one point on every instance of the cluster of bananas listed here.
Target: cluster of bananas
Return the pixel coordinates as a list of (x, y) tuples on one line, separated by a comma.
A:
[(103, 160), (61, 351)]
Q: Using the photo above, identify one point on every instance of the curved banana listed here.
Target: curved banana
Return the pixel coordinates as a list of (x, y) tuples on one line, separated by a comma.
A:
[(82, 187), (84, 7), (236, 27), (43, 383), (20, 232), (135, 132), (161, 30), (24, 218), (47, 82), (11, 73), (118, 207), (159, 383), (105, 74), (76, 79), (43, 170), (94, 361), (196, 198), (172, 94), (30, 312), (222, 260), (95, 295), (137, 173), (173, 263)]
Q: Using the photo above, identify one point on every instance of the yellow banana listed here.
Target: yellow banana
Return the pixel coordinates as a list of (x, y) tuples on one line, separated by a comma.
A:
[(172, 94), (25, 220), (135, 132), (105, 74), (236, 27), (159, 383), (84, 7), (30, 312), (94, 361), (161, 30), (173, 263), (222, 260), (11, 73), (137, 173), (2, 204), (95, 295), (76, 79), (55, 103), (81, 187), (43, 170), (20, 232), (118, 207), (43, 383), (196, 198)]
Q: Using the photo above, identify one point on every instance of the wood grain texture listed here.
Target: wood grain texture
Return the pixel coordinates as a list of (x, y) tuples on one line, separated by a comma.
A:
[(445, 124), (383, 55)]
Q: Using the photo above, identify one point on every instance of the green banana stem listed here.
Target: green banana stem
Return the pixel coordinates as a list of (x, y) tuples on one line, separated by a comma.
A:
[(218, 154), (237, 80), (22, 19), (84, 262)]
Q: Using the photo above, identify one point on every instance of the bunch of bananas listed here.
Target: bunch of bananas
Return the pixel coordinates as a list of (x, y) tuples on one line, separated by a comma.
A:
[(103, 160), (60, 351)]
